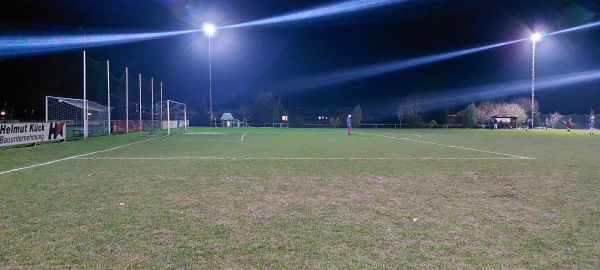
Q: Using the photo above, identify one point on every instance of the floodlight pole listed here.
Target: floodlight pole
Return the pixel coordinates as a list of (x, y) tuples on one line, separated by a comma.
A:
[(210, 81), (108, 94), (209, 30), (126, 100), (534, 38), (532, 81)]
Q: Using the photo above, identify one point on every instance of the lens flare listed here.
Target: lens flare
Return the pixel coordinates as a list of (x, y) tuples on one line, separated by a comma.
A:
[(473, 94), (209, 29), (319, 12), (577, 28), (28, 45), (365, 72)]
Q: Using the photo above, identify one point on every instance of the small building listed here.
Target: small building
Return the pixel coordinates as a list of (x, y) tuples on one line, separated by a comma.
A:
[(227, 120), (504, 121)]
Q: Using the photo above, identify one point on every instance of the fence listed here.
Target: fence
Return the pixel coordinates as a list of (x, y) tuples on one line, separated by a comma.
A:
[(579, 121)]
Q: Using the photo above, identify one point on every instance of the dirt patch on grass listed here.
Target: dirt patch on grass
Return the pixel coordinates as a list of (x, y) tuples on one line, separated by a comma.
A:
[(475, 175), (378, 178)]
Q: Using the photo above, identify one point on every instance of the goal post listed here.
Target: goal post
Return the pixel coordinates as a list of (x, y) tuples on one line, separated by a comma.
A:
[(173, 116), (73, 112)]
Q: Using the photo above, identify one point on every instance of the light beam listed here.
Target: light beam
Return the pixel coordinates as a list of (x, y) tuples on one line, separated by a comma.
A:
[(374, 70), (319, 12), (28, 45), (577, 28), (473, 94)]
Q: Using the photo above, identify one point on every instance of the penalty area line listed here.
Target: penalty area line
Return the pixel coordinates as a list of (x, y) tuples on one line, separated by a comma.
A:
[(77, 156), (290, 158), (453, 146)]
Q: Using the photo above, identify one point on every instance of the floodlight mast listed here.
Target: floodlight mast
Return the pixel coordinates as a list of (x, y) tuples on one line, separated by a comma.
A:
[(534, 38), (209, 30)]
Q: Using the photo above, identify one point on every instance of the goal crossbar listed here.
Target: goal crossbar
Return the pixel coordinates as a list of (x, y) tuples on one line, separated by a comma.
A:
[(175, 114)]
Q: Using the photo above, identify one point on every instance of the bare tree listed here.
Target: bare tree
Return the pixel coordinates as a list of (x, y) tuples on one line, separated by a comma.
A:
[(513, 109), (485, 112), (555, 118), (526, 104), (413, 105), (411, 109), (263, 108), (401, 112), (246, 113)]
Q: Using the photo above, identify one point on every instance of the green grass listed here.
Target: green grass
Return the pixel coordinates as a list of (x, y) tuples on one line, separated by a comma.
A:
[(305, 198)]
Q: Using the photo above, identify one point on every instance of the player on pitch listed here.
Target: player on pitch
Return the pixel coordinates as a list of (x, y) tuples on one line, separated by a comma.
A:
[(349, 123)]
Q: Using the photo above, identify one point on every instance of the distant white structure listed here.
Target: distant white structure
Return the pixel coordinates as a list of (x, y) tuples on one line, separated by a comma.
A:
[(227, 120)]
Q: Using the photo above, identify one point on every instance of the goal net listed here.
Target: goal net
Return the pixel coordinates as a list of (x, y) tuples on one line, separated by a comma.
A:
[(172, 116), (73, 112)]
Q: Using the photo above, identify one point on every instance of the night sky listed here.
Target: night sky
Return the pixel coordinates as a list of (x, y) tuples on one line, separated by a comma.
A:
[(284, 58)]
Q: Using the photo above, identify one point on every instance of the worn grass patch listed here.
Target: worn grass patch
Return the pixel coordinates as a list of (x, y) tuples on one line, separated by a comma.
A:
[(305, 198)]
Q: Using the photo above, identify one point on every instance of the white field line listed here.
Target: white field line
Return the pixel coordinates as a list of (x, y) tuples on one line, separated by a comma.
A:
[(236, 140), (453, 146), (77, 156), (215, 133), (288, 158), (203, 133)]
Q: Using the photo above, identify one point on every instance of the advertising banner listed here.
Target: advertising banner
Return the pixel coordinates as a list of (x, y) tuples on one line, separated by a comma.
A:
[(29, 133)]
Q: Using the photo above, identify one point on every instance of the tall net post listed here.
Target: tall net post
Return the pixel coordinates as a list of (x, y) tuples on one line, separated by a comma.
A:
[(127, 100), (108, 93), (152, 102), (140, 104), (161, 104), (168, 120), (84, 116)]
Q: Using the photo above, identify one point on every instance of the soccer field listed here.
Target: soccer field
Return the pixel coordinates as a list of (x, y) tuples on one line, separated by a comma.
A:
[(304, 198)]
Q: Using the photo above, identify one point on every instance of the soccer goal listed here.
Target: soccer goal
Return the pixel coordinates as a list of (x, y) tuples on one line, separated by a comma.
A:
[(83, 118), (173, 116)]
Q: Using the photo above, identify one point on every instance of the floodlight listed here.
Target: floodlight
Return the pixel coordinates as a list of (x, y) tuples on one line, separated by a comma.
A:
[(209, 29), (535, 37)]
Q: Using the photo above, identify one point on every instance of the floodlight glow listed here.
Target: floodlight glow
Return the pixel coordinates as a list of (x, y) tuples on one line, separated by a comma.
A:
[(209, 29), (319, 12), (535, 37), (26, 45)]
